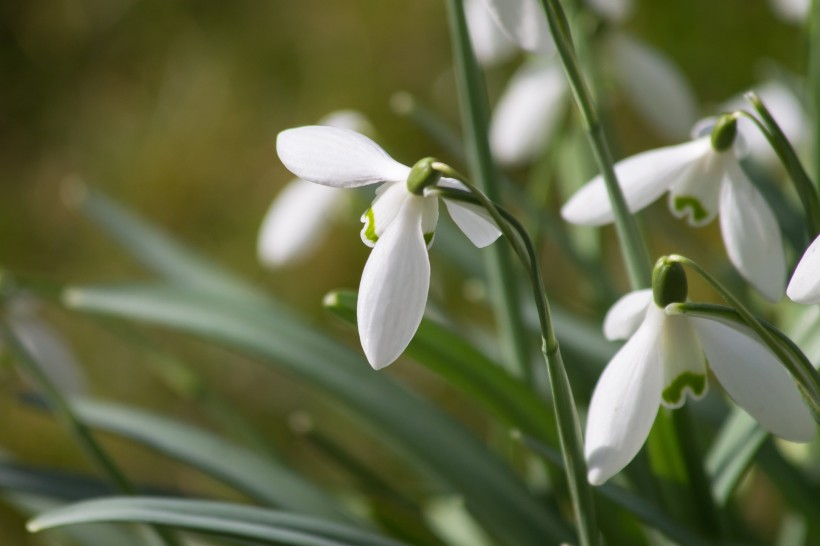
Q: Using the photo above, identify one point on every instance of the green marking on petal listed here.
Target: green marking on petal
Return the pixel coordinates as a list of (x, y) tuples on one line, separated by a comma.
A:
[(369, 231), (428, 238), (696, 209), (696, 383)]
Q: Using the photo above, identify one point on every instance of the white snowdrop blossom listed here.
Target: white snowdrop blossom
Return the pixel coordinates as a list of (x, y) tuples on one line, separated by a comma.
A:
[(804, 286), (792, 11), (399, 226), (701, 181), (491, 45), (299, 218), (524, 22), (666, 359)]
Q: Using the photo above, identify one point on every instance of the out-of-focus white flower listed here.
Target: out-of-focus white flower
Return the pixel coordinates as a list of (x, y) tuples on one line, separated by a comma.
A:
[(524, 22), (616, 11), (300, 217), (653, 84), (793, 11), (490, 44), (399, 226), (46, 347), (787, 111), (804, 286), (529, 111), (701, 181), (665, 359)]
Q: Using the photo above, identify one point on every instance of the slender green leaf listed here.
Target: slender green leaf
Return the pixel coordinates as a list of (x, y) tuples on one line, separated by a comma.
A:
[(732, 452), (261, 479), (461, 364), (223, 519), (412, 426)]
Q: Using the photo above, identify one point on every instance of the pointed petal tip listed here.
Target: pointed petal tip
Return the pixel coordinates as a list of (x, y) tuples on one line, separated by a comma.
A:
[(596, 476)]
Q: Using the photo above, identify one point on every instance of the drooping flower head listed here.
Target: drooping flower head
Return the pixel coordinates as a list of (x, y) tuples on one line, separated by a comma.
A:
[(399, 225), (703, 177), (665, 360)]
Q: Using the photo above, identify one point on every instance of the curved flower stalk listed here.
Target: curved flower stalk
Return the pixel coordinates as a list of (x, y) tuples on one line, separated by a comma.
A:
[(784, 106), (297, 220), (804, 286), (399, 225), (703, 177), (666, 360)]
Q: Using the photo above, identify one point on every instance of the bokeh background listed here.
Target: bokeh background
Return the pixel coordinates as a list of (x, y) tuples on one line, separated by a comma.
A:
[(172, 106)]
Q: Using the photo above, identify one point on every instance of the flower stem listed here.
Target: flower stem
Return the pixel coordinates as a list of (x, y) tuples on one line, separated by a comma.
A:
[(814, 79), (569, 425), (801, 369), (634, 251), (474, 116), (788, 157)]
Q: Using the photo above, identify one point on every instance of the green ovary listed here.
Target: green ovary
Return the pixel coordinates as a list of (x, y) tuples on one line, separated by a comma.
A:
[(683, 202), (370, 227), (696, 383)]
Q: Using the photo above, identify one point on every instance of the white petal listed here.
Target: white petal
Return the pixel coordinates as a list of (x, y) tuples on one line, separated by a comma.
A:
[(616, 11), (626, 314), (684, 366), (475, 222), (394, 286), (625, 401), (794, 11), (336, 157), (751, 234), (524, 21), (643, 178), (695, 193), (805, 284), (50, 352), (348, 119), (296, 222), (390, 198), (490, 44), (429, 219), (755, 379), (529, 111), (655, 86)]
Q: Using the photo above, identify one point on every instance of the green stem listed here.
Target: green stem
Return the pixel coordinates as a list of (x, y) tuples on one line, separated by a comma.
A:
[(814, 79), (474, 116), (788, 157), (635, 253), (800, 368), (569, 425), (63, 411)]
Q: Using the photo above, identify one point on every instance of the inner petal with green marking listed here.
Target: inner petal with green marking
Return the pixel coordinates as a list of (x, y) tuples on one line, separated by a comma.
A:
[(696, 192), (684, 364)]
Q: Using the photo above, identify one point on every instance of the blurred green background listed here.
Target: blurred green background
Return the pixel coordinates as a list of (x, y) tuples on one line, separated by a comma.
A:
[(172, 108)]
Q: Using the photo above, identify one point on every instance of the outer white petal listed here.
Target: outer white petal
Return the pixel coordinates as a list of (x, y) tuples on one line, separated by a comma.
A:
[(695, 193), (643, 178), (475, 222), (614, 10), (805, 284), (394, 286), (655, 86), (751, 234), (684, 366), (390, 198), (50, 352), (755, 379), (524, 21), (490, 44), (296, 222), (336, 157), (626, 314), (625, 401), (528, 111)]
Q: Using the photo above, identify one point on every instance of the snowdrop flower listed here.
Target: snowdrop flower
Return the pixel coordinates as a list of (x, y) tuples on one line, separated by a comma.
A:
[(490, 44), (666, 360), (805, 284), (616, 11), (524, 22), (792, 11), (399, 226), (298, 220), (703, 177)]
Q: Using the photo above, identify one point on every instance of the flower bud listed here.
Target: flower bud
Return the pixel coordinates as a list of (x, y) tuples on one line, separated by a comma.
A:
[(422, 175), (724, 133), (669, 283)]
